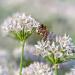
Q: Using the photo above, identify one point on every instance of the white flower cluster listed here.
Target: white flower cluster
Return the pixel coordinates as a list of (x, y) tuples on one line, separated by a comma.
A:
[(60, 47), (18, 22), (66, 44), (37, 69), (41, 48)]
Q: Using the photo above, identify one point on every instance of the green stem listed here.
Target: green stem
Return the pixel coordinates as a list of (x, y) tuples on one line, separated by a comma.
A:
[(56, 69), (21, 60)]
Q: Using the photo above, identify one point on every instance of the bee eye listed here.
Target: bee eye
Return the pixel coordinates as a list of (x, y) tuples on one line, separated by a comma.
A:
[(42, 26)]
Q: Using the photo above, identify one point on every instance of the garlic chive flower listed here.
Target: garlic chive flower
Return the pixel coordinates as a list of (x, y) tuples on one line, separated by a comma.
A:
[(19, 26), (41, 48), (56, 50), (37, 69)]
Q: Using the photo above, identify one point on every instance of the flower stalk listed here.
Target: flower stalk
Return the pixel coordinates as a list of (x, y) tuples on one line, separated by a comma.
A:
[(56, 69), (21, 60)]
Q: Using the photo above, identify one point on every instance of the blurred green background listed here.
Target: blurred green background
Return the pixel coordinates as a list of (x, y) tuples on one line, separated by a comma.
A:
[(58, 15)]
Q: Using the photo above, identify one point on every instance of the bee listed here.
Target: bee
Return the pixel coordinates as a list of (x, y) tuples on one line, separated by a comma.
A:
[(43, 31)]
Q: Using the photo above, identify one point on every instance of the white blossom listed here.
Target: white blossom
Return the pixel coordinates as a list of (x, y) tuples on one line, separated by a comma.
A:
[(37, 69), (41, 48), (66, 44), (18, 22), (60, 47), (58, 54)]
